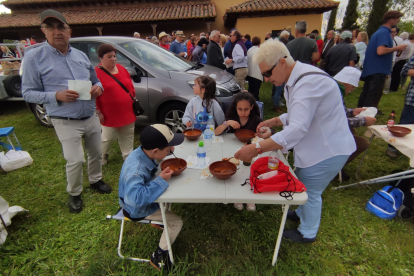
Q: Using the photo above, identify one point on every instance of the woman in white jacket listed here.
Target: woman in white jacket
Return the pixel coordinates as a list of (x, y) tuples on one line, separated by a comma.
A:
[(254, 76)]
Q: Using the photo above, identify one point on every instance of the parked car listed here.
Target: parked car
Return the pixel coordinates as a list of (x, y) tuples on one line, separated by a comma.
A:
[(163, 81), (10, 82)]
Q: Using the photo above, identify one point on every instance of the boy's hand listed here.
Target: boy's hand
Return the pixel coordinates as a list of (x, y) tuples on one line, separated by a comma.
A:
[(166, 174)]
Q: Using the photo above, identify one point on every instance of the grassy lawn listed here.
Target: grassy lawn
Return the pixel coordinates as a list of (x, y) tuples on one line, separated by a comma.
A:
[(216, 239)]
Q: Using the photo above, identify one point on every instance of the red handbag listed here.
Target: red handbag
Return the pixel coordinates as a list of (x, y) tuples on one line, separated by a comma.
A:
[(284, 182)]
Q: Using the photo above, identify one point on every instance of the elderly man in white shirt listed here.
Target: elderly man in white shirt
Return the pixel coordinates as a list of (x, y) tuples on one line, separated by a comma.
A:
[(238, 56), (315, 126)]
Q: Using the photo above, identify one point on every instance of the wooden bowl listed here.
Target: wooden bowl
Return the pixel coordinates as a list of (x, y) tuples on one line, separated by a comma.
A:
[(244, 135), (222, 169), (399, 131), (173, 164), (192, 134)]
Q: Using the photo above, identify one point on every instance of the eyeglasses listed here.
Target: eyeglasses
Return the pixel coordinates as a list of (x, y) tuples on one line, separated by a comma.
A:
[(269, 72), (60, 28)]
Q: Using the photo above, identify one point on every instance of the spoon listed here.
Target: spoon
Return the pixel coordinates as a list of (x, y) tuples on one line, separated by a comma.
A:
[(178, 160)]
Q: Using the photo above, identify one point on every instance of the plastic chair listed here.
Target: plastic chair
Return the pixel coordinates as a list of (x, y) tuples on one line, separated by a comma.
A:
[(120, 216), (5, 132)]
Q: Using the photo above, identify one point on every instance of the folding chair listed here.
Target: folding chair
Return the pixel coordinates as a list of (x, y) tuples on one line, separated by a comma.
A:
[(6, 132), (120, 216)]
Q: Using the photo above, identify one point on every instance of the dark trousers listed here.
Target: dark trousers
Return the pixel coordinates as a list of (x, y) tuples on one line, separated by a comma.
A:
[(254, 86), (407, 117), (372, 91), (396, 75)]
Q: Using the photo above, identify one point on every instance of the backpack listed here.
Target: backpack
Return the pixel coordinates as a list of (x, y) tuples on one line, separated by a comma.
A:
[(385, 202)]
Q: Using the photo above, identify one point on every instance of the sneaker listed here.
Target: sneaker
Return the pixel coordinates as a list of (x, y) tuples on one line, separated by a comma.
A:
[(251, 207), (292, 216), (391, 153), (281, 103), (75, 204), (104, 159), (159, 258), (386, 92), (296, 236), (101, 187), (239, 206)]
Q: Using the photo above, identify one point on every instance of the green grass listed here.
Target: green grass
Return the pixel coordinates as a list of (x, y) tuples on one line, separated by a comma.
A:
[(216, 239)]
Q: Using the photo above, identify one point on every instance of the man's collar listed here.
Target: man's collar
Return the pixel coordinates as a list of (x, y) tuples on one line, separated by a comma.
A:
[(294, 74), (388, 29), (56, 51), (143, 157)]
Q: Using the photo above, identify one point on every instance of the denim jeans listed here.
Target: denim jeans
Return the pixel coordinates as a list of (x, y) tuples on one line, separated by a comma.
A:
[(316, 178), (407, 118), (278, 94)]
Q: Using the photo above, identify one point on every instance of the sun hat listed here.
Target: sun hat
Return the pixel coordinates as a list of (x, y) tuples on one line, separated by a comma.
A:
[(180, 33), (162, 34), (349, 75)]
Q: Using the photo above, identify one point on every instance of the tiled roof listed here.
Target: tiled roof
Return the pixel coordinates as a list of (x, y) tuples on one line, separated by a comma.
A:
[(103, 16), (281, 5), (15, 2)]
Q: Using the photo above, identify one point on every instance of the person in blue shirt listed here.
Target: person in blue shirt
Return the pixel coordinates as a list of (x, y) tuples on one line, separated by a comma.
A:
[(248, 42), (47, 71), (139, 187), (378, 60), (177, 46)]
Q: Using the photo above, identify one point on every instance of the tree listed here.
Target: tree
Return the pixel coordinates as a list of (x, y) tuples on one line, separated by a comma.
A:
[(379, 8), (332, 21), (351, 16), (406, 26)]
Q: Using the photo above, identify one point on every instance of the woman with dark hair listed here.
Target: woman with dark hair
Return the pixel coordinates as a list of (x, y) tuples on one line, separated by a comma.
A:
[(355, 35), (254, 76), (114, 106), (238, 56), (199, 55)]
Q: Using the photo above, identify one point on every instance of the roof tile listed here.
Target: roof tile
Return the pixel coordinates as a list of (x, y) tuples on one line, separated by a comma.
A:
[(281, 5), (115, 15)]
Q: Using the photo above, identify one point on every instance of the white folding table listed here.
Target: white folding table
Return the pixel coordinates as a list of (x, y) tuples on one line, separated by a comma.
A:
[(404, 144), (188, 188)]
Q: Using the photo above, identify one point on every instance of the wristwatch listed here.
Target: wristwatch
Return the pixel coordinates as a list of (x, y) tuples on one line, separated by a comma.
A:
[(258, 148)]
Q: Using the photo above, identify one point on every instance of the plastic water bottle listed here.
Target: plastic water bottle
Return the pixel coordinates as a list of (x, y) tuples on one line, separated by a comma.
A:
[(208, 138), (273, 162), (201, 155), (211, 124)]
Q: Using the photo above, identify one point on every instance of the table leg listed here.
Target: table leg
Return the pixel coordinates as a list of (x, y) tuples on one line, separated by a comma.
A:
[(167, 236), (279, 236)]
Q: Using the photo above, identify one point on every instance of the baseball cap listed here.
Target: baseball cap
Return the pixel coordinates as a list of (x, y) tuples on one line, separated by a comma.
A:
[(54, 14), (349, 75), (345, 34), (162, 34), (392, 15), (180, 33), (159, 136)]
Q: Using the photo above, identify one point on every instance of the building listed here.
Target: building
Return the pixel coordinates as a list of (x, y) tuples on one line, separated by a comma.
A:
[(150, 17)]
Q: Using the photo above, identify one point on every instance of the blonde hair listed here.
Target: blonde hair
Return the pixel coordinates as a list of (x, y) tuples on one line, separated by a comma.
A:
[(271, 51), (285, 33), (223, 40), (364, 37)]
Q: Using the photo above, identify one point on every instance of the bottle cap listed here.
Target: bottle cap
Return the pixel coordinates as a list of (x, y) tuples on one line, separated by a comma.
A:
[(201, 144)]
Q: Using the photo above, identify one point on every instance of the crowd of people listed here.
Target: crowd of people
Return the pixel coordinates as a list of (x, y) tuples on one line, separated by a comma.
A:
[(313, 74)]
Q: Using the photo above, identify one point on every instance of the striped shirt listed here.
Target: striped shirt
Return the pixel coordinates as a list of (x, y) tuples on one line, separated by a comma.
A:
[(409, 98)]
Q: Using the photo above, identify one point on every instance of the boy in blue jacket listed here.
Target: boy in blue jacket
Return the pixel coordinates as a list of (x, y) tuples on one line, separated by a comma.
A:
[(139, 188)]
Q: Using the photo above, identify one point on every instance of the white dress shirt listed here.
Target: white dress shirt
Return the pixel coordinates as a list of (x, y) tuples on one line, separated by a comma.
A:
[(315, 125), (254, 70), (406, 53)]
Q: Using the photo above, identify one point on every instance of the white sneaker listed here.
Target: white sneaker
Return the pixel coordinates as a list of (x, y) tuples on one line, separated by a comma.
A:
[(239, 206), (281, 103)]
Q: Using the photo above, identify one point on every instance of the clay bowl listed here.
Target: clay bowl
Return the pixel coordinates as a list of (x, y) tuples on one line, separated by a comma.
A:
[(244, 135), (222, 169), (173, 164), (192, 134), (399, 131)]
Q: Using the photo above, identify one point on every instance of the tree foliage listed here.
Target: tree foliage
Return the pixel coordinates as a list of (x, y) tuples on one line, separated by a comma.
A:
[(351, 16), (332, 21), (379, 8), (406, 26)]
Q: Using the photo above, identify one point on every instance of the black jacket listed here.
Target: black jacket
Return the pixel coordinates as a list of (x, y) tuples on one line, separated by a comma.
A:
[(215, 55), (330, 45)]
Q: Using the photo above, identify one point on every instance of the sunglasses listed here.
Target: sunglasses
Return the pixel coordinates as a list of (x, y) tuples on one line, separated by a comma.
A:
[(269, 72)]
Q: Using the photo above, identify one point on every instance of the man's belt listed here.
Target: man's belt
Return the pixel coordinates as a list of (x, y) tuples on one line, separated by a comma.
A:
[(69, 119)]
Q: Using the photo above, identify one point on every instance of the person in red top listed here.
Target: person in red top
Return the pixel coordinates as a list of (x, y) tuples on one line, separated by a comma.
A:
[(114, 106), (319, 42), (163, 38)]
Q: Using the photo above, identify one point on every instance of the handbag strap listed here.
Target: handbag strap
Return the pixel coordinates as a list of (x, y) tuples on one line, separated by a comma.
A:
[(115, 79)]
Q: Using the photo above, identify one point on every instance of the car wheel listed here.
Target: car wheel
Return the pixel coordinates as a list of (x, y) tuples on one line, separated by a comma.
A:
[(13, 85), (40, 113), (172, 116)]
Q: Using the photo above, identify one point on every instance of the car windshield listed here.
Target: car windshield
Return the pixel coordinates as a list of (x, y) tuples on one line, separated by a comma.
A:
[(156, 56)]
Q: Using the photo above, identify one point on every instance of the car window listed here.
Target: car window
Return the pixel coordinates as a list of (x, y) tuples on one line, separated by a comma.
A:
[(156, 56), (94, 58)]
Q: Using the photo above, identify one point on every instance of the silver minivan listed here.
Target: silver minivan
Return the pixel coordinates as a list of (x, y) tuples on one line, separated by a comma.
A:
[(163, 81)]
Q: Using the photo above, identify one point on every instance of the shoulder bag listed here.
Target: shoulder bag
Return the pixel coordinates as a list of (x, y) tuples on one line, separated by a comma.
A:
[(136, 105)]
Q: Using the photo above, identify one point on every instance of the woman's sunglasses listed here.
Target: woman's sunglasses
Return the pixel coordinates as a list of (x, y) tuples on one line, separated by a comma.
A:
[(269, 72)]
